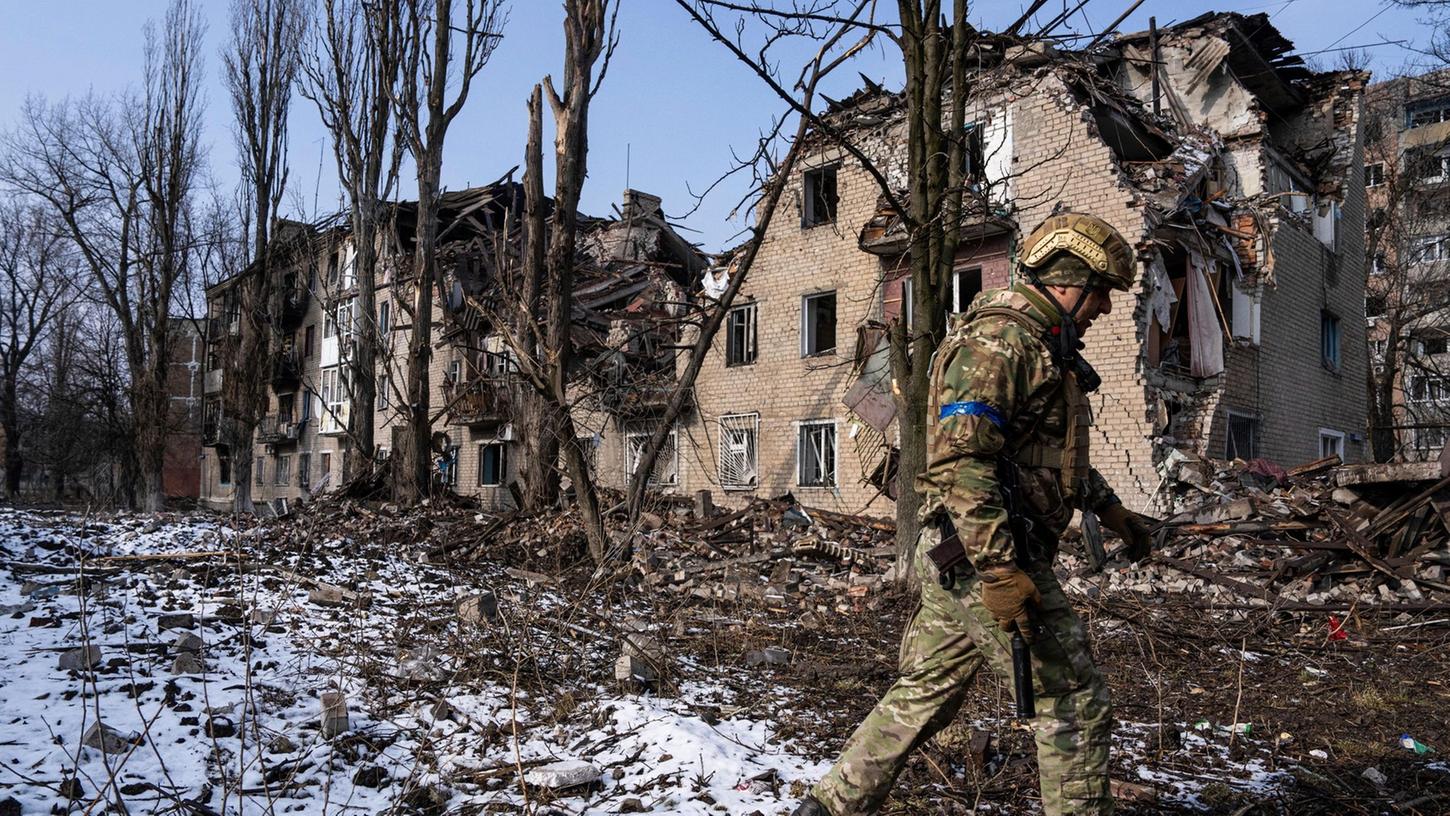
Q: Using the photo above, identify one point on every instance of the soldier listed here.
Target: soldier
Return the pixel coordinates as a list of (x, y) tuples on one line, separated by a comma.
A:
[(1008, 391)]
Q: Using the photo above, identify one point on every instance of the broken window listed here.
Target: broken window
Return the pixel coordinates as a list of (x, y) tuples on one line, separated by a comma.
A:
[(224, 466), (1435, 345), (1185, 295), (667, 467), (449, 466), (492, 463), (818, 324), (1374, 305), (495, 365), (820, 197), (384, 318), (966, 285), (1374, 174), (1427, 165), (304, 470), (1243, 437), (973, 163), (1331, 443), (326, 467), (1379, 265), (738, 450), (1329, 339), (1430, 249), (284, 471), (1427, 112), (309, 340), (816, 454), (334, 399), (329, 323), (261, 467), (381, 402), (740, 335)]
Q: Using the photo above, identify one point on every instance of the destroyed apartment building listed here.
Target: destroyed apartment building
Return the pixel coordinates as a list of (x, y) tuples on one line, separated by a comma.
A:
[(1233, 169), (630, 286), (1407, 234)]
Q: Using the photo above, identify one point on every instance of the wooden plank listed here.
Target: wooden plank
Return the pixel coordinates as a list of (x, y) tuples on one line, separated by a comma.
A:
[(1315, 467), (1231, 527), (1246, 590), (1381, 472)]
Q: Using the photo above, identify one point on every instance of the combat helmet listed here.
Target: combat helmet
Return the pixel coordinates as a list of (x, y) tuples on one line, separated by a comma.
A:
[(1077, 249)]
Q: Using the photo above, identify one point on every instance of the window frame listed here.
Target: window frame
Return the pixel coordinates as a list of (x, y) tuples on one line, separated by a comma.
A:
[(482, 447), (749, 351), (1230, 450), (1331, 435), (810, 333), (831, 478), (282, 470), (1331, 340), (636, 430), (259, 464), (1375, 170), (811, 181), (747, 423)]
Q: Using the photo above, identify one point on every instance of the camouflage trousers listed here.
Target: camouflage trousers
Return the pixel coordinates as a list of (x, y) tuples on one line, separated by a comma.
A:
[(950, 636)]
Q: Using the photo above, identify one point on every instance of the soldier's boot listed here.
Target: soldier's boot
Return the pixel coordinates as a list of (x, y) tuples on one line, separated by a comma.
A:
[(810, 807)]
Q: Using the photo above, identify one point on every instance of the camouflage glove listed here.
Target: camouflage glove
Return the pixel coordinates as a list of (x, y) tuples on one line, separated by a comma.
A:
[(1007, 592), (1129, 527)]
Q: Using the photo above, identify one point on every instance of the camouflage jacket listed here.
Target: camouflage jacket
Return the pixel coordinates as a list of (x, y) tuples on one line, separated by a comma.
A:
[(995, 388)]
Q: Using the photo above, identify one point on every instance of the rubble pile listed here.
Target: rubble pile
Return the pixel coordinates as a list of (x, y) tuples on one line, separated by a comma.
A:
[(1319, 536)]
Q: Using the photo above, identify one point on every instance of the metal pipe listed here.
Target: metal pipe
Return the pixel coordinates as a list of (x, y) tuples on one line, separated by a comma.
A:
[(1114, 24)]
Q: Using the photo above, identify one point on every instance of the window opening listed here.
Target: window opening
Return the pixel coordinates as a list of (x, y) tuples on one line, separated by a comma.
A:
[(738, 433), (816, 453), (818, 324), (820, 197)]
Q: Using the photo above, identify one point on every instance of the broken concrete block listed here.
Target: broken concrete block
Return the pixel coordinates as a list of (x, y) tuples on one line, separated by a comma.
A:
[(180, 620), (334, 714), (263, 617), (478, 609), (327, 595), (108, 740), (188, 663), (769, 656), (80, 659), (571, 773), (187, 642), (630, 668)]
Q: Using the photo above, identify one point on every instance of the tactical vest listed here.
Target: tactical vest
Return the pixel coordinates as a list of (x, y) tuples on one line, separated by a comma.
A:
[(1070, 460)]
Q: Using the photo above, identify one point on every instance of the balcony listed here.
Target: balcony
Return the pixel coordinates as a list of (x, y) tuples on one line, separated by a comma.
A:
[(211, 432), (277, 429), (211, 382), (286, 370), (641, 394), (291, 307), (219, 328), (478, 402)]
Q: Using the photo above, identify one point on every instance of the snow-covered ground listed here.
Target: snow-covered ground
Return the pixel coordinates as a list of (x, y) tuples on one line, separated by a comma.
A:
[(438, 713)]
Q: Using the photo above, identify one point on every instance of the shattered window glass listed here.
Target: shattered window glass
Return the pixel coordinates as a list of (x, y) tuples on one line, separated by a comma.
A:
[(738, 467), (816, 452), (740, 335), (818, 319), (667, 467)]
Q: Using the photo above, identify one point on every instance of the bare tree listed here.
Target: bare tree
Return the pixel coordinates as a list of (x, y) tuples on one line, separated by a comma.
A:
[(37, 268), (549, 255), (121, 177), (261, 63), (439, 47), (349, 69)]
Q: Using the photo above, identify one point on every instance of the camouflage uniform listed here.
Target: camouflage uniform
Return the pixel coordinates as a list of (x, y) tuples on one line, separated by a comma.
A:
[(995, 387)]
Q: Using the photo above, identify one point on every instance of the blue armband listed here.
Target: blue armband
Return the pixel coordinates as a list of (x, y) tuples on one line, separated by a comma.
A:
[(973, 408)]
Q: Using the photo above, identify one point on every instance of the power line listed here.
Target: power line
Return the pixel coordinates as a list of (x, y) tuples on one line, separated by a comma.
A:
[(1358, 27)]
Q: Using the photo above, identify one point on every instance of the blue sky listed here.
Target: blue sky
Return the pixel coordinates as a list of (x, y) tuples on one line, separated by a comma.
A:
[(672, 109)]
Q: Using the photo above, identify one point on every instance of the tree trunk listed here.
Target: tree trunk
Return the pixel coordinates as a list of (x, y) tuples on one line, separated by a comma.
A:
[(414, 480), (364, 371)]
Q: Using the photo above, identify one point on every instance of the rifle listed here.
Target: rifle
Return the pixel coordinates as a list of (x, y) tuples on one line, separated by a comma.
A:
[(1018, 525), (949, 556)]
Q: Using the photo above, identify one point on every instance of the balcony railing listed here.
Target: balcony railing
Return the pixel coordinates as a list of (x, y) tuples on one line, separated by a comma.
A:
[(211, 432), (478, 401), (277, 429)]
